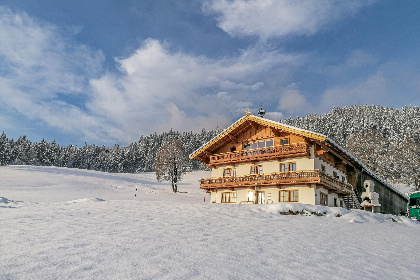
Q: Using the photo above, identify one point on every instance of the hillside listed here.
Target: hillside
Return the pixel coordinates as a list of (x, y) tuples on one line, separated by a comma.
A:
[(61, 223), (387, 140)]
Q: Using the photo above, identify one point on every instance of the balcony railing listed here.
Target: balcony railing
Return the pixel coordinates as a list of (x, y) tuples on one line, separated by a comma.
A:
[(278, 179), (293, 150)]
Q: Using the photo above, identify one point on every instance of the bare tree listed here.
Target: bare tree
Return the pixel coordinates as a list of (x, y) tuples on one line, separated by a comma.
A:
[(171, 163)]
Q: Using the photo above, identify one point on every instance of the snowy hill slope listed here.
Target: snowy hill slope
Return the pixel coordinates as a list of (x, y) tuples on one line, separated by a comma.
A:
[(387, 140), (78, 224)]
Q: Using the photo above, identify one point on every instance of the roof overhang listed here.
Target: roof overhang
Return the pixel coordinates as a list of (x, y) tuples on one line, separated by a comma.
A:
[(201, 153)]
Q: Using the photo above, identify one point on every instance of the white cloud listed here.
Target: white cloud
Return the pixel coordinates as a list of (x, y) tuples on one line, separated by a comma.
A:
[(276, 116), (158, 90), (273, 18), (39, 59), (293, 101), (40, 66), (44, 70)]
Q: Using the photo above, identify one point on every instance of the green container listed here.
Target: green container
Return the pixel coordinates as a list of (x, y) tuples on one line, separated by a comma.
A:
[(414, 206)]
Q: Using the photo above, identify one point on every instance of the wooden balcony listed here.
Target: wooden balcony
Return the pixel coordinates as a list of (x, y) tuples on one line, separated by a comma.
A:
[(279, 179), (293, 150)]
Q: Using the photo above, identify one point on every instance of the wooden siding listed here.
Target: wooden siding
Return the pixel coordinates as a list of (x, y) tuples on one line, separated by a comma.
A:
[(270, 153), (251, 128)]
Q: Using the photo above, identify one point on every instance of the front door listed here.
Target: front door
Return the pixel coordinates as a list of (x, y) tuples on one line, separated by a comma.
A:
[(260, 197)]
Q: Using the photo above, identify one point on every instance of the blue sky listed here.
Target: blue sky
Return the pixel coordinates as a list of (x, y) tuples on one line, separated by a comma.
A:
[(106, 72)]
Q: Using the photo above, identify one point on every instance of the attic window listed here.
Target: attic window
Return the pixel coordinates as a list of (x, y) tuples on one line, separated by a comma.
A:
[(258, 145), (284, 141)]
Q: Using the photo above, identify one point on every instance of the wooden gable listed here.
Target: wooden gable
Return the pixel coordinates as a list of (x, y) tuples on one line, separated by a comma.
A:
[(252, 129)]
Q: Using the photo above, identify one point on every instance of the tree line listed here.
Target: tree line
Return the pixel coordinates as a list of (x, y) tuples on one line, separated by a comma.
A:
[(139, 156), (387, 140)]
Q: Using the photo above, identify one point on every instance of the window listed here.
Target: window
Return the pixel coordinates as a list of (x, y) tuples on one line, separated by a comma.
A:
[(284, 141), (250, 196), (335, 202), (292, 166), (260, 197), (335, 175), (256, 169), (294, 196), (287, 167), (228, 172), (322, 168), (323, 198), (283, 167), (258, 145), (229, 197), (289, 196), (233, 149)]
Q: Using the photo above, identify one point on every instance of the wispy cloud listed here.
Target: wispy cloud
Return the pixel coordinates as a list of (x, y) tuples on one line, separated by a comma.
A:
[(45, 69), (158, 90), (39, 65), (46, 76), (293, 101), (273, 18)]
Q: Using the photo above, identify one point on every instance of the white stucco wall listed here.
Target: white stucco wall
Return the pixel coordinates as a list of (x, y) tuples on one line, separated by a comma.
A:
[(271, 194), (329, 169), (218, 171), (307, 195), (331, 197), (301, 163), (267, 166)]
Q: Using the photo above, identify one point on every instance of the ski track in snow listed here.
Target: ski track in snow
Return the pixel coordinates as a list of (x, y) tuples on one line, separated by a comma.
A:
[(75, 224)]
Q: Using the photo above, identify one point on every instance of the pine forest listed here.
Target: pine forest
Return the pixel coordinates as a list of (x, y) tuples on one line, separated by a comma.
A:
[(387, 140)]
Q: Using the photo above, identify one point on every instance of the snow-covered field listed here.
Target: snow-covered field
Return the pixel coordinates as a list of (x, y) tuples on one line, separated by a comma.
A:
[(59, 223)]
